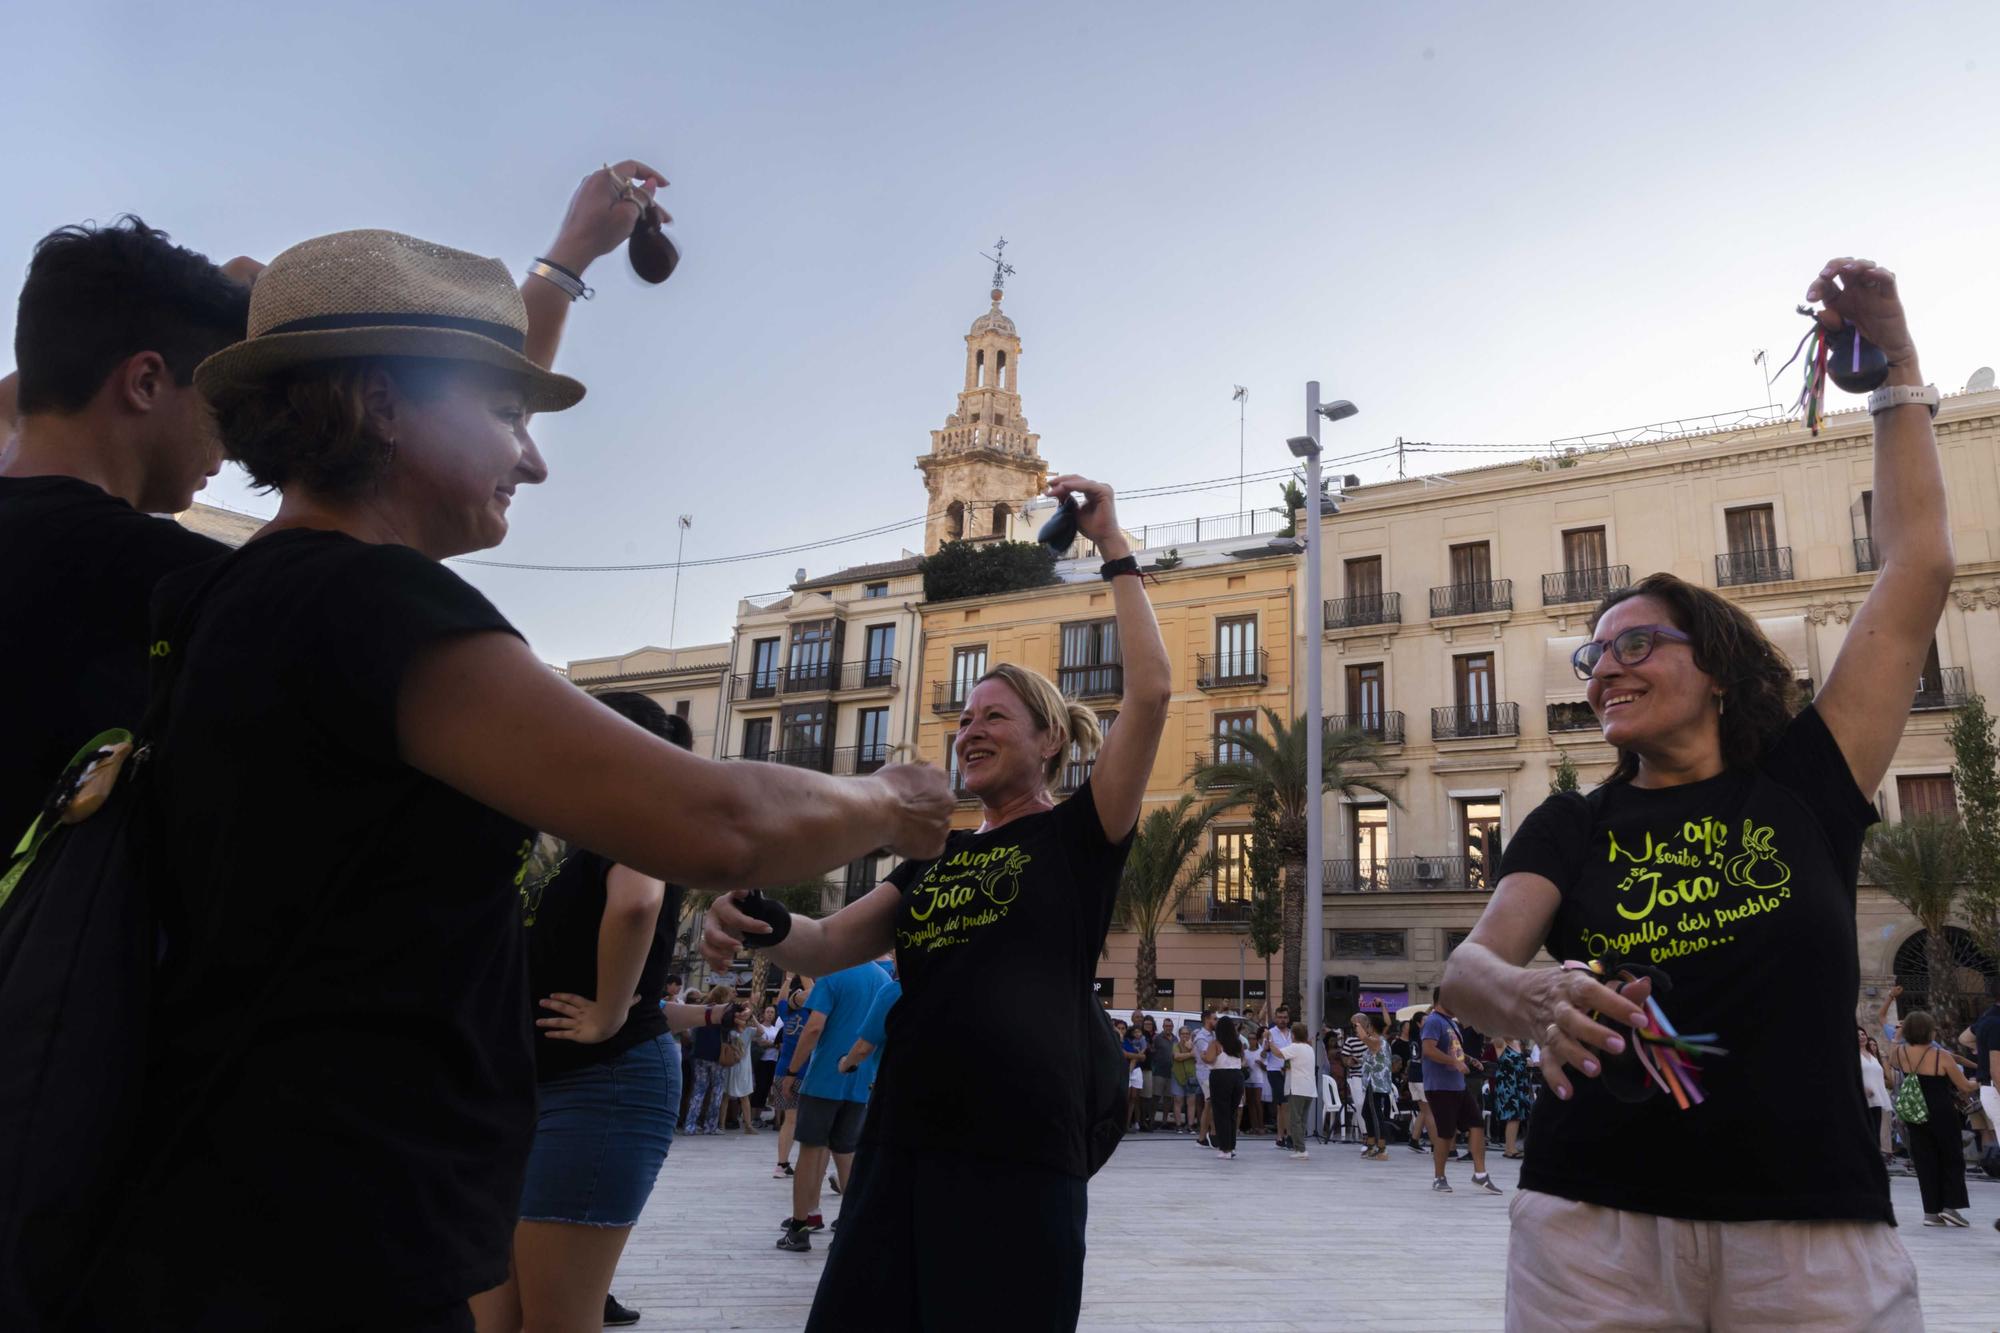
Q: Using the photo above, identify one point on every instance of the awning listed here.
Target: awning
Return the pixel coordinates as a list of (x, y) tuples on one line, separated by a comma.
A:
[(1788, 633), (1559, 680)]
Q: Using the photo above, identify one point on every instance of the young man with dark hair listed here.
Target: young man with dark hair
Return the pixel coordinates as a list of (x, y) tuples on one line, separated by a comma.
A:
[(112, 322)]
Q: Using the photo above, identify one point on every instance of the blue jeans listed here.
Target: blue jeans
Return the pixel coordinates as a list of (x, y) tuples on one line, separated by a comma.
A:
[(601, 1136)]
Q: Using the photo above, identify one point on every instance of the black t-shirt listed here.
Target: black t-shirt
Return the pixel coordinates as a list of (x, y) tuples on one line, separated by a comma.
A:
[(564, 915), (1986, 1031), (1000, 936), (1741, 888), (77, 571), (351, 929)]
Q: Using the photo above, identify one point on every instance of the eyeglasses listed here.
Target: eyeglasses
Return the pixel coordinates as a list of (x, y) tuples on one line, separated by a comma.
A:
[(1630, 647)]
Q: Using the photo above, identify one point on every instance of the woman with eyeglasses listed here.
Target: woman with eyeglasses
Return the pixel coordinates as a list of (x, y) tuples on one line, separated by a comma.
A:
[(1722, 854)]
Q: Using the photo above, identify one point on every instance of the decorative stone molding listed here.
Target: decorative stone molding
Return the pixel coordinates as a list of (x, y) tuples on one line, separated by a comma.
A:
[(1838, 612), (1970, 599)]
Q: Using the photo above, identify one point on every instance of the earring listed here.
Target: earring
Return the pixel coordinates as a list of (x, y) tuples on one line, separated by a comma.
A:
[(1721, 704)]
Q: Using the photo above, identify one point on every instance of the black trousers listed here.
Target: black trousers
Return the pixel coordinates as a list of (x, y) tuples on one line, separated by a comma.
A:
[(1935, 1153), (1375, 1115), (1225, 1088), (950, 1243), (761, 1092)]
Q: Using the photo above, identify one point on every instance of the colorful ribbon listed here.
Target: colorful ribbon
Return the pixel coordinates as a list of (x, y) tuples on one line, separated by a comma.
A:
[(1666, 1055)]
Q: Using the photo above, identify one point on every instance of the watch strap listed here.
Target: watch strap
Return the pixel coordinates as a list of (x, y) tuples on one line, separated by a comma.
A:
[(1124, 564), (1897, 395)]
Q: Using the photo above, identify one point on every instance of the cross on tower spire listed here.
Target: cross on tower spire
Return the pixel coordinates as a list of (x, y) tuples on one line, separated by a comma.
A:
[(1002, 270)]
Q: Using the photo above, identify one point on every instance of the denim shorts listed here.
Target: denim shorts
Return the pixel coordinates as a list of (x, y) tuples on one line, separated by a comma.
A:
[(601, 1137)]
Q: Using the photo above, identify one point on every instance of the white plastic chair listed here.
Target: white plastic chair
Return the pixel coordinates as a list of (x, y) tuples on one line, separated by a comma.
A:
[(1357, 1092), (1329, 1106)]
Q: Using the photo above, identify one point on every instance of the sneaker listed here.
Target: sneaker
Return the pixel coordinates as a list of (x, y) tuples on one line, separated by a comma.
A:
[(1201, 1141), (1229, 1156), (1934, 1220), (1299, 1156), (1486, 1185), (796, 1239), (780, 1171), (813, 1223), (616, 1315), (1953, 1217), (833, 1181), (1440, 1186)]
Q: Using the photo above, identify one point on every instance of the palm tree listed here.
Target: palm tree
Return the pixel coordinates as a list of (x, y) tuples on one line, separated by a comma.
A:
[(1166, 860), (1276, 764), (1921, 864)]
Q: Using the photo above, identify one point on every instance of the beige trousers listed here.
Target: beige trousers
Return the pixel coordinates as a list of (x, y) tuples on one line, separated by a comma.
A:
[(1576, 1266)]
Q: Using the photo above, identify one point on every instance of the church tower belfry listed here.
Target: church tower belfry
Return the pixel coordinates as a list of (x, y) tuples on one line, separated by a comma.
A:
[(984, 465)]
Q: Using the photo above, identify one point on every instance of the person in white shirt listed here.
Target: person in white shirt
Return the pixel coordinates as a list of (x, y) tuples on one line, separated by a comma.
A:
[(1299, 1061), (1204, 1036), (1276, 1038)]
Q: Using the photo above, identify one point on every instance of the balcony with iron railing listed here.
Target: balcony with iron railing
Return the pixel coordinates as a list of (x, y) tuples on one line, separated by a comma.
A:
[(1073, 776), (863, 673), (1380, 608), (1766, 564), (1584, 585), (1571, 717), (1472, 721), (1408, 874), (1945, 689), (1205, 907), (1866, 561), (819, 758), (1106, 681), (1250, 669), (1384, 728), (1218, 751), (1472, 599), (948, 696)]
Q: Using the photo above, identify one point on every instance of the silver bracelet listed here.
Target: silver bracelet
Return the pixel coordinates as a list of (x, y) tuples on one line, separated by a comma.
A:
[(571, 285)]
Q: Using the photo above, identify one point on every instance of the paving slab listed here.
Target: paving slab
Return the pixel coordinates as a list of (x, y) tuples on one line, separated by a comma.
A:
[(1274, 1244)]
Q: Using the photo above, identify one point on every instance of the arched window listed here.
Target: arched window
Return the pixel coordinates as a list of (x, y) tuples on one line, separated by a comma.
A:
[(954, 521), (1959, 993), (1000, 373), (1001, 513), (979, 367)]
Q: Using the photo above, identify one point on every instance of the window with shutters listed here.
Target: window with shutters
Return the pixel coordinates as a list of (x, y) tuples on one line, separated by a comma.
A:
[(1364, 577), (1925, 794), (1471, 562), (1584, 550), (1751, 528), (1472, 679), (1236, 648), (1232, 867)]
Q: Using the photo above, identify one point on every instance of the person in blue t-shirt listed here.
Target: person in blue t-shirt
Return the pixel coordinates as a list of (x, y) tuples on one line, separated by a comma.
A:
[(832, 1104), (867, 1047), (785, 1095), (1454, 1106)]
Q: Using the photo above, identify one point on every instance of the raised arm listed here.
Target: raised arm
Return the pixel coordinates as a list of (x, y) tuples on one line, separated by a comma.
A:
[(1124, 766), (1488, 982), (1866, 701), (600, 218), (481, 714)]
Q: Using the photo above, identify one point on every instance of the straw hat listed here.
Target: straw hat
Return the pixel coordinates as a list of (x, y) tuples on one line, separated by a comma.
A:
[(381, 293)]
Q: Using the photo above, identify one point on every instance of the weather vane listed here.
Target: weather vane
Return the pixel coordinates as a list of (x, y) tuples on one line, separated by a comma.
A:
[(1002, 270)]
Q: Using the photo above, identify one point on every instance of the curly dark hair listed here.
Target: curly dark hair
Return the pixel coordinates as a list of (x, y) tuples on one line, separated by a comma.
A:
[(1755, 677)]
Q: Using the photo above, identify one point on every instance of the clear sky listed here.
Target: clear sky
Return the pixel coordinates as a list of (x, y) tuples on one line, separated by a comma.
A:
[(1481, 222)]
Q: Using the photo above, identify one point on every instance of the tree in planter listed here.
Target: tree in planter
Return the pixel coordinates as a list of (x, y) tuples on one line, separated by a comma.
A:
[(977, 569), (1975, 775), (1277, 764), (1166, 861), (1565, 777), (1267, 909), (1921, 864)]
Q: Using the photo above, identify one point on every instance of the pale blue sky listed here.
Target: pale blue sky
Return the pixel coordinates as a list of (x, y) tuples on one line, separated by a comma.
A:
[(1480, 222)]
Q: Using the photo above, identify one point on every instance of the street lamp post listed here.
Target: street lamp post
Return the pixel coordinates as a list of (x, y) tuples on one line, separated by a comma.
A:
[(1314, 965)]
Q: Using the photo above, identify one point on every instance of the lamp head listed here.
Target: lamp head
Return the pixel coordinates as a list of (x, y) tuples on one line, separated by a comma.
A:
[(1338, 410), (1302, 446)]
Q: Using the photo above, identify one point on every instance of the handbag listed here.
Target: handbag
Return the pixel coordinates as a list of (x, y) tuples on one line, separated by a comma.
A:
[(732, 1052), (1911, 1108)]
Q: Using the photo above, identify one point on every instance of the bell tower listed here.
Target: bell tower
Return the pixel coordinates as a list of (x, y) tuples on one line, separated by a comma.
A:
[(984, 465)]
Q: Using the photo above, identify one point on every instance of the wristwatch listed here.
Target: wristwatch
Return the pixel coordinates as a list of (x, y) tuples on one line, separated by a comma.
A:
[(1896, 395), (1124, 564)]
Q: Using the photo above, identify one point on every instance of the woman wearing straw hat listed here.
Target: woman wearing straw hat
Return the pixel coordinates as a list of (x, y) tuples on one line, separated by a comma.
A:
[(1723, 851), (356, 749)]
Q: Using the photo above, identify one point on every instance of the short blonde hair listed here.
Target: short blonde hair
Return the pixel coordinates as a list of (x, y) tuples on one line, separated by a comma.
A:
[(1051, 710)]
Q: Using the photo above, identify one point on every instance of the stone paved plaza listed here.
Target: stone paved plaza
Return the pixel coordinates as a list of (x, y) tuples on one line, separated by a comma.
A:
[(1287, 1236)]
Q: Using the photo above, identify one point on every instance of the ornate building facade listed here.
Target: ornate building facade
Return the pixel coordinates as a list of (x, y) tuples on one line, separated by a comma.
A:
[(984, 464)]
